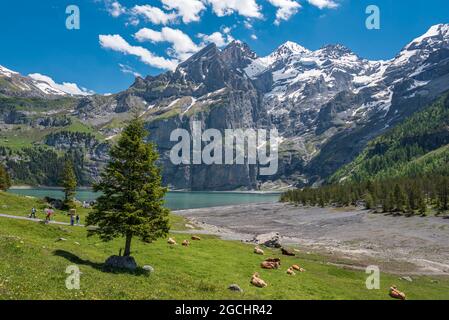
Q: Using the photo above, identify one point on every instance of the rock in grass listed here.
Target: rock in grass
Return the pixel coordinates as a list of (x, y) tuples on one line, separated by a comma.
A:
[(148, 269), (270, 240), (407, 278), (62, 239), (120, 263), (287, 252), (235, 288)]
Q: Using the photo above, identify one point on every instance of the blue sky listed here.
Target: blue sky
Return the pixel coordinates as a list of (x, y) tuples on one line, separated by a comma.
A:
[(110, 47)]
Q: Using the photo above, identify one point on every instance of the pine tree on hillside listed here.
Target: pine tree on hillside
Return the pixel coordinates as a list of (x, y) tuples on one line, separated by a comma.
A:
[(5, 180), (422, 207), (443, 194), (369, 201), (69, 183), (387, 203), (132, 204), (400, 198)]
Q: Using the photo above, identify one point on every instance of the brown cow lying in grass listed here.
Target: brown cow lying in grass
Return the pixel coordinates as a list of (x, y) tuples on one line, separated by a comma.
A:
[(291, 272), (257, 281), (171, 241), (257, 250), (395, 293), (297, 268), (271, 263), (186, 243), (196, 238)]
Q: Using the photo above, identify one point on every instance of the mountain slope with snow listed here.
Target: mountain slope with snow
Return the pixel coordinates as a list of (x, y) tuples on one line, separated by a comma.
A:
[(36, 85), (326, 104)]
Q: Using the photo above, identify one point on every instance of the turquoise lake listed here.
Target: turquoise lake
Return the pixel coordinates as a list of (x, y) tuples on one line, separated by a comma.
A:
[(174, 200)]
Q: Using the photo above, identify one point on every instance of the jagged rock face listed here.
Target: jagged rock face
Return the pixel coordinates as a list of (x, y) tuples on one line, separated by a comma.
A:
[(413, 79), (326, 104), (222, 98)]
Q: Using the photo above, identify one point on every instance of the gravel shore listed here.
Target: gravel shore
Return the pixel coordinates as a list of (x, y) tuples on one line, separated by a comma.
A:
[(356, 238)]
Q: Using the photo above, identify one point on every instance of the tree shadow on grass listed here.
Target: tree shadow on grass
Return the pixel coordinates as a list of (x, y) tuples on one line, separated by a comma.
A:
[(98, 266)]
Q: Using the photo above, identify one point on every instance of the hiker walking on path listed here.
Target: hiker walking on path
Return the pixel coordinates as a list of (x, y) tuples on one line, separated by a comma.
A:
[(72, 220), (33, 213), (48, 212), (77, 219)]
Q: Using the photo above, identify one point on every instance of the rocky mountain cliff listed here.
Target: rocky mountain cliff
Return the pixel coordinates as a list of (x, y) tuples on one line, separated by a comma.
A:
[(326, 104)]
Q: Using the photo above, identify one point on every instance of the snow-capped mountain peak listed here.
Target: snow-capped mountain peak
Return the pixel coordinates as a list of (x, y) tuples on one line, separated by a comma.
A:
[(6, 72), (436, 33), (420, 49), (49, 86), (284, 52), (304, 80), (289, 48), (37, 85)]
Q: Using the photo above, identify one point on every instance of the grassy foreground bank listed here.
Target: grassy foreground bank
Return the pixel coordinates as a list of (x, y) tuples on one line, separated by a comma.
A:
[(33, 264)]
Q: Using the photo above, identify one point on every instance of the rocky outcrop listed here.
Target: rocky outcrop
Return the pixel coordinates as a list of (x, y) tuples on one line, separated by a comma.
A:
[(117, 263)]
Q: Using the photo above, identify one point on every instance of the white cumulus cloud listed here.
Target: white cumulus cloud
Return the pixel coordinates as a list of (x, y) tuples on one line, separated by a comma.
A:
[(187, 10), (322, 4), (286, 9), (115, 9), (218, 38), (117, 43), (182, 46), (153, 14), (246, 8), (65, 87)]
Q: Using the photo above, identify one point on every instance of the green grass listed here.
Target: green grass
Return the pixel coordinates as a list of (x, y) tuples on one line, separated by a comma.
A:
[(39, 104), (18, 205), (15, 142), (78, 126), (33, 264)]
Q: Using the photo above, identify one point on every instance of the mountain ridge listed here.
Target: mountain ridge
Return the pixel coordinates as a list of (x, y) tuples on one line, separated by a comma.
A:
[(326, 104)]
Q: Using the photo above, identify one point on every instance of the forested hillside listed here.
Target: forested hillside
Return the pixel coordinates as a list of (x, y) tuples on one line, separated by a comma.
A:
[(416, 147), (405, 170)]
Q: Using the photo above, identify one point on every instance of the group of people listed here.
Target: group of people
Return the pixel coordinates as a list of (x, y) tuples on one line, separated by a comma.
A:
[(74, 218), (48, 213)]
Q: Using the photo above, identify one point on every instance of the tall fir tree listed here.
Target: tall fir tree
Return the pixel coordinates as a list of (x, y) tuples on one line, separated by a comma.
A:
[(422, 206), (132, 200), (400, 198), (387, 202), (443, 194), (69, 184), (5, 180), (369, 201)]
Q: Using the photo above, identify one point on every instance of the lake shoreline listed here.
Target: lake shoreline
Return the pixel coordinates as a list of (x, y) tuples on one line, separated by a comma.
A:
[(174, 200), (25, 187), (352, 237)]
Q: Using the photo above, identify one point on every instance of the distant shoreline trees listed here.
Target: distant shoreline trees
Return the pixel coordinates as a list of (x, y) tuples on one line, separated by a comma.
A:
[(396, 195)]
